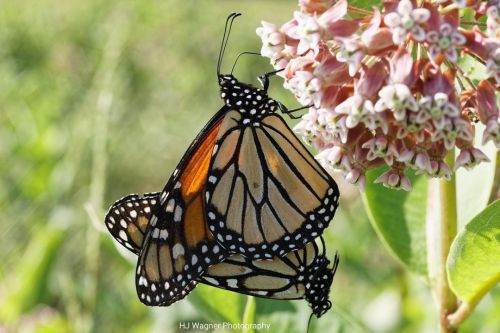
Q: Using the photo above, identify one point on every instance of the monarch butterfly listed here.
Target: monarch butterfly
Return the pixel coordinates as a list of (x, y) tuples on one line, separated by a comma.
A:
[(245, 185), (301, 274)]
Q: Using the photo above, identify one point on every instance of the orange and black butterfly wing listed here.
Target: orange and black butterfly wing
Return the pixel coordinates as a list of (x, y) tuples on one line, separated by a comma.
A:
[(127, 219), (301, 274), (266, 194), (178, 247), (276, 278), (127, 223)]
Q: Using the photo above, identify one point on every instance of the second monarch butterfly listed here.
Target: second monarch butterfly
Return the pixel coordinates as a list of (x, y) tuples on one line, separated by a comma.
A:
[(301, 274), (246, 185)]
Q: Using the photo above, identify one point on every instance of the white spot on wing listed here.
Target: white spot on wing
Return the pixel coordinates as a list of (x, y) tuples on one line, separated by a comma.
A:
[(164, 234), (123, 235), (156, 233), (233, 283), (178, 214), (177, 250), (211, 280), (170, 206)]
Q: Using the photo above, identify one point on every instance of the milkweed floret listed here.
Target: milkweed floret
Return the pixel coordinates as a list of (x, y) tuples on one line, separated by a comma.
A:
[(388, 87), (445, 39), (407, 19), (398, 99)]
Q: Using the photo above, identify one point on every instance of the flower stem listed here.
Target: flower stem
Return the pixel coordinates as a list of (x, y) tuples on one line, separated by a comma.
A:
[(495, 191), (441, 229)]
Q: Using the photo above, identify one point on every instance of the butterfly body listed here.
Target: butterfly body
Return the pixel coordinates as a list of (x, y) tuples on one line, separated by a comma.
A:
[(250, 101)]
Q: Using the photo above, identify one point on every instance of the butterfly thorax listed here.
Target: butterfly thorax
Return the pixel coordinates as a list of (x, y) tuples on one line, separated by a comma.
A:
[(245, 98)]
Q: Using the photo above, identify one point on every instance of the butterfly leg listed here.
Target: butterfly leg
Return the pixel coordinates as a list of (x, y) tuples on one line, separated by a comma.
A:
[(285, 110), (264, 80)]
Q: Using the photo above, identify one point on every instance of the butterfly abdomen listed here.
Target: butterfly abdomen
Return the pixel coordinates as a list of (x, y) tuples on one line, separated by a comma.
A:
[(318, 287)]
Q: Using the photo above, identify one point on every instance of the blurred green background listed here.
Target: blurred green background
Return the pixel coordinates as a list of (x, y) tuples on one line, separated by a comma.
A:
[(99, 99)]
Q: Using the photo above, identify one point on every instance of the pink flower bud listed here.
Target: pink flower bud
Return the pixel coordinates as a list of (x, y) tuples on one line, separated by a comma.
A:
[(492, 132), (356, 177), (314, 6), (371, 80), (487, 103), (335, 157), (394, 179), (439, 169), (380, 147), (273, 41), (417, 159), (470, 157)]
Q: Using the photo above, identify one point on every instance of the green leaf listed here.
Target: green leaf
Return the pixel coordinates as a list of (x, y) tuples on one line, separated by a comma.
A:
[(399, 219), (365, 4), (474, 260), (218, 305)]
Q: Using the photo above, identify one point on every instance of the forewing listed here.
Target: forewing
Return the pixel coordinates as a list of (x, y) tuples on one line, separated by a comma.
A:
[(266, 194), (178, 247)]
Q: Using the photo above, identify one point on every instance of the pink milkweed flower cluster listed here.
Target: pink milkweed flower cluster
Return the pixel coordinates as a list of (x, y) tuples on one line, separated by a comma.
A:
[(388, 87)]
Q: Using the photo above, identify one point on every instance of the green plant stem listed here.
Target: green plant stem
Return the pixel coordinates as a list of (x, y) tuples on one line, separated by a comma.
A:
[(463, 311), (441, 229), (103, 87), (495, 191), (249, 313)]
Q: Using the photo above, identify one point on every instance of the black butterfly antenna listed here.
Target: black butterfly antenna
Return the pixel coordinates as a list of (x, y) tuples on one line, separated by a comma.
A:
[(225, 37), (238, 57)]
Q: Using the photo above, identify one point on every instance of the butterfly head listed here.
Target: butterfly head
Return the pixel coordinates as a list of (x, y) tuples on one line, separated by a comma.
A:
[(319, 286)]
